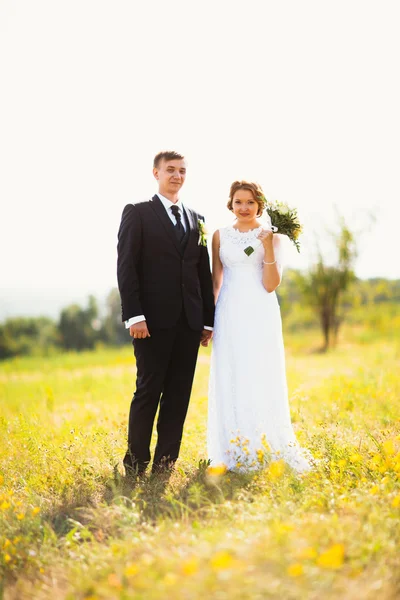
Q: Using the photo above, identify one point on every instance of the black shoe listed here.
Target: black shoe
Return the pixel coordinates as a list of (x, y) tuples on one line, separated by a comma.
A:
[(134, 471), (133, 467), (165, 467)]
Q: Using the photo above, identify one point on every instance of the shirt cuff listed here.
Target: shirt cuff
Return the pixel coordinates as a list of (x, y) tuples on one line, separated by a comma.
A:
[(134, 320), (208, 328)]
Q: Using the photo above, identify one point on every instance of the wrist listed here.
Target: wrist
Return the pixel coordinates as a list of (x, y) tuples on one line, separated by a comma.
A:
[(269, 254)]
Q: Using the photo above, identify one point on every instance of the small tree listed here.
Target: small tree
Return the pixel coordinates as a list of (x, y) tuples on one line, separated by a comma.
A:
[(79, 327), (324, 287), (27, 335), (113, 330)]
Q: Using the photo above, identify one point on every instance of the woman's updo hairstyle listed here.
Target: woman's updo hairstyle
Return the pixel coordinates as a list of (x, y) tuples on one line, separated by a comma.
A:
[(254, 188)]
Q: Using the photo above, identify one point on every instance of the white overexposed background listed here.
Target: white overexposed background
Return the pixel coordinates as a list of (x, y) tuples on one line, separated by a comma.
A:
[(302, 97)]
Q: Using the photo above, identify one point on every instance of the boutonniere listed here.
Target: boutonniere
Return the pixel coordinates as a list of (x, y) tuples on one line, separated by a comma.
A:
[(202, 233)]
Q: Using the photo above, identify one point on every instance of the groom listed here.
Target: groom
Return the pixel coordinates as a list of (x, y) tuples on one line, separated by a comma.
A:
[(167, 302)]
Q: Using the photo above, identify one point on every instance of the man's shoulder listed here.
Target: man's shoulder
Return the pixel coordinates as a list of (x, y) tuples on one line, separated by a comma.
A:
[(141, 206)]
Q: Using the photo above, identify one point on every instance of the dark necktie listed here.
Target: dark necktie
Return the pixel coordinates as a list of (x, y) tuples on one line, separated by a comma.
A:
[(179, 230)]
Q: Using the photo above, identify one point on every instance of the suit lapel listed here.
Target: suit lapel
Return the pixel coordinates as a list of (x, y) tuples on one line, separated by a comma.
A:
[(193, 228), (191, 219), (161, 213), (188, 228)]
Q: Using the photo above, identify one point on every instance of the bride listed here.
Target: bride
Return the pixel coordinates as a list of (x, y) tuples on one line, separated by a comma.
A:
[(248, 401)]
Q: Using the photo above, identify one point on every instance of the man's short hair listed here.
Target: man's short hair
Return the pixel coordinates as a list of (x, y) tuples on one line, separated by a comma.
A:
[(166, 155)]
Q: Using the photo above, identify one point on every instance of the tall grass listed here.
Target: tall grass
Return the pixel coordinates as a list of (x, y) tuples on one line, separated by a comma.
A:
[(72, 527)]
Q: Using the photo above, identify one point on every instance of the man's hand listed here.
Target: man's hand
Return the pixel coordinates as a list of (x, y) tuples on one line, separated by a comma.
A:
[(139, 330), (205, 337)]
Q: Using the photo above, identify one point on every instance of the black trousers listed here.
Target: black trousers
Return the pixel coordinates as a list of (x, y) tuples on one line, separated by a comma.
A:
[(165, 363)]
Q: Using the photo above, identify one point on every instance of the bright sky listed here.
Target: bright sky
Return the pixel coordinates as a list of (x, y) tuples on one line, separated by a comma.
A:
[(302, 97)]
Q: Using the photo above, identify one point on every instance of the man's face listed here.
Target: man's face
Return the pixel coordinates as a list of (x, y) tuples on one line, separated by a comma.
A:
[(170, 175)]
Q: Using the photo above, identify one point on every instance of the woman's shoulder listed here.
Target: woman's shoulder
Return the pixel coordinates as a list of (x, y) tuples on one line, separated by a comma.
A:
[(221, 232), (216, 235)]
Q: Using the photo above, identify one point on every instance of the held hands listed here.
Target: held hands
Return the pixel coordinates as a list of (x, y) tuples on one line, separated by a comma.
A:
[(139, 330), (205, 337)]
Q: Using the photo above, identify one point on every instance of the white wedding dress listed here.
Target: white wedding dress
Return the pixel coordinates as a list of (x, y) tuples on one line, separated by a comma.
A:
[(248, 398)]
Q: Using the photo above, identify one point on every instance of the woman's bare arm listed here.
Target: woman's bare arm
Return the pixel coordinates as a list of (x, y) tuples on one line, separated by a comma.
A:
[(217, 268)]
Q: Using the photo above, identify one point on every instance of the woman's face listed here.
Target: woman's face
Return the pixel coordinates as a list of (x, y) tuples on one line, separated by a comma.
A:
[(244, 207)]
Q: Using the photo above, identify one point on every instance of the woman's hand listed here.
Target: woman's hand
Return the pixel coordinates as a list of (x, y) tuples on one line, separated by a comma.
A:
[(205, 338), (266, 237)]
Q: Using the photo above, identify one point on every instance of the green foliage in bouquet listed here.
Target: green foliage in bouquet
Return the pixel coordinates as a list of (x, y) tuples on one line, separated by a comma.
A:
[(285, 219)]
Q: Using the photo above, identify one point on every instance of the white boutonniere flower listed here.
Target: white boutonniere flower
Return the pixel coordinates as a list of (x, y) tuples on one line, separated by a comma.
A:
[(202, 233)]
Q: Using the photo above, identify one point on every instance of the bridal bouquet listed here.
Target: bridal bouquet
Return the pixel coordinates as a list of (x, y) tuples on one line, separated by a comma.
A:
[(284, 220)]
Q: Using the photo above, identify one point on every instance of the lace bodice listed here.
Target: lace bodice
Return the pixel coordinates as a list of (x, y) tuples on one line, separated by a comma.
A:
[(240, 237), (232, 245)]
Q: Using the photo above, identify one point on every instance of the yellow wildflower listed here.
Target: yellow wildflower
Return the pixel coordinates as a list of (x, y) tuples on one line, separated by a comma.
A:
[(6, 544), (375, 461), (190, 566), (115, 549), (295, 570), (396, 501), (20, 516), (35, 511), (388, 448), (7, 558), (276, 469), (356, 458), (5, 505), (221, 561), (265, 443), (374, 490), (333, 558), (342, 463), (307, 553), (1, 479), (217, 470), (283, 528), (131, 570)]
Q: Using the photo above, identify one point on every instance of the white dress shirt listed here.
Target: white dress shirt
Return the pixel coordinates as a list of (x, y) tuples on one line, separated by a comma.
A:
[(167, 205)]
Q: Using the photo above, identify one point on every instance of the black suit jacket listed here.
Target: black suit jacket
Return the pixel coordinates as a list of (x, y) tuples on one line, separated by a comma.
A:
[(157, 277)]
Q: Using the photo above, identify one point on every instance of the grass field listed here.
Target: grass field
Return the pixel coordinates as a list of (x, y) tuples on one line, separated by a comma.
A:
[(72, 528)]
